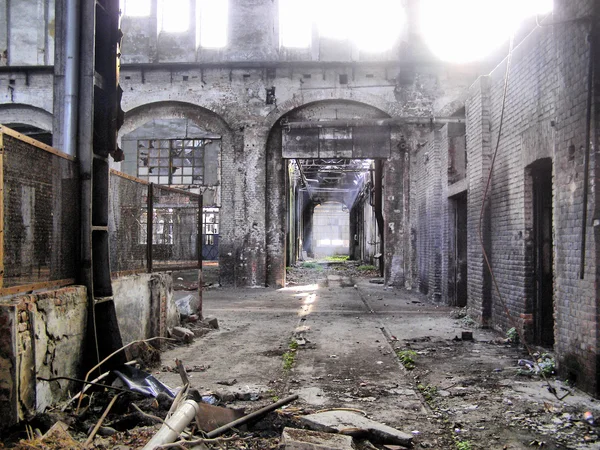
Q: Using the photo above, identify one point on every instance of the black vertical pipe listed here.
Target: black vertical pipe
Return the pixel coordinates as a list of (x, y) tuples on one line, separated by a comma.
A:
[(200, 243), (586, 155), (149, 226), (379, 209)]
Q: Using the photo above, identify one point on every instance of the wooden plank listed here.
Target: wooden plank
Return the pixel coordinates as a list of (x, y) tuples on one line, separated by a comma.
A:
[(10, 132), (36, 286), (129, 177)]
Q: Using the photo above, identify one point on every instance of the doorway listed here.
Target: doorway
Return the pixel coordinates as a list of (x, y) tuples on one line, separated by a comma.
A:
[(458, 258), (543, 297)]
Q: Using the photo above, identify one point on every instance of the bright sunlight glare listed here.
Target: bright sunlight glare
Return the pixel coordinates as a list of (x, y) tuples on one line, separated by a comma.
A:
[(136, 8), (372, 26), (468, 30), (213, 23), (175, 16)]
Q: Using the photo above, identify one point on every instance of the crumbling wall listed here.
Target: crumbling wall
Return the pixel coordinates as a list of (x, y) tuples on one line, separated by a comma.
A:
[(42, 335), (145, 306)]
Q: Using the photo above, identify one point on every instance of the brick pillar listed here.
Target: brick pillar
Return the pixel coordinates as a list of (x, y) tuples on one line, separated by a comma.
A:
[(275, 211), (393, 211), (479, 150)]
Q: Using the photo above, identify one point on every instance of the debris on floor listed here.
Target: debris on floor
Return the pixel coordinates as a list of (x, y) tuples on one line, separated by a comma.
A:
[(351, 423)]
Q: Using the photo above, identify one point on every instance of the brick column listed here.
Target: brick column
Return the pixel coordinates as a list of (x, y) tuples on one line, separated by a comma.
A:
[(479, 151)]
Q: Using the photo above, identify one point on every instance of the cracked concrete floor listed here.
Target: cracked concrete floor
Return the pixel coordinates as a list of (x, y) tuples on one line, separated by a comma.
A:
[(459, 393)]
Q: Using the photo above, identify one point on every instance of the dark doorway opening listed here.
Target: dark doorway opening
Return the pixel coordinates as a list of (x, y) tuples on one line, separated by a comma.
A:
[(543, 316), (458, 258)]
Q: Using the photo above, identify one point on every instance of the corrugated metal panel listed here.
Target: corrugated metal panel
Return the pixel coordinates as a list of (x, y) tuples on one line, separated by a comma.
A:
[(335, 143)]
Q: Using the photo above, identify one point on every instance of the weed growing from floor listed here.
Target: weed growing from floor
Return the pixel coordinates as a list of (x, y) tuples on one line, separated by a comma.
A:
[(366, 268), (311, 265), (337, 258), (513, 336), (429, 392), (463, 445), (407, 358), (289, 357)]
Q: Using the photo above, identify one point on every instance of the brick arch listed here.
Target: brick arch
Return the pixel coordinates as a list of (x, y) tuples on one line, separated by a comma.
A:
[(202, 117), (346, 96), (26, 115)]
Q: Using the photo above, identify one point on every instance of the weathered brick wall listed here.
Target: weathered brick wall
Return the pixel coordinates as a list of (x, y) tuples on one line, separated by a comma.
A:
[(576, 315), (528, 112)]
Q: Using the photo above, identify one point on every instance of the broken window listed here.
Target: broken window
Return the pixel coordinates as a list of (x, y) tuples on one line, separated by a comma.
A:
[(210, 225), (211, 20), (135, 8), (171, 161), (174, 15)]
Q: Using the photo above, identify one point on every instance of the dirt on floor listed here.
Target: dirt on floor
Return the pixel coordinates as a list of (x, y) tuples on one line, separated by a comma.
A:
[(340, 339)]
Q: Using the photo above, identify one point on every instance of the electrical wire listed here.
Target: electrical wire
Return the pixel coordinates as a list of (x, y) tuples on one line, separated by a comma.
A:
[(511, 319)]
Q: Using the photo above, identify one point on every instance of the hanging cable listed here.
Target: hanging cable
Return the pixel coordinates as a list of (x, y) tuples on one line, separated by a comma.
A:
[(511, 319)]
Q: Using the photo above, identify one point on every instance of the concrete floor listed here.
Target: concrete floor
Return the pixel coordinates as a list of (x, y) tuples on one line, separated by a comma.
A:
[(352, 328)]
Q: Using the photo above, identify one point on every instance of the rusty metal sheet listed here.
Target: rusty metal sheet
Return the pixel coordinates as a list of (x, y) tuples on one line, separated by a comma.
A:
[(371, 142), (335, 143), (303, 144)]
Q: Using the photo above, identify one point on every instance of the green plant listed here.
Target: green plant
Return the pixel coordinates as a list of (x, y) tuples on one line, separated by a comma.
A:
[(293, 345), (407, 358), (513, 335), (288, 360), (311, 265), (337, 258), (429, 392), (547, 365), (463, 445), (366, 268)]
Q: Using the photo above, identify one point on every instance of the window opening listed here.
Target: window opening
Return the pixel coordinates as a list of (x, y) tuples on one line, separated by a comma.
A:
[(171, 161)]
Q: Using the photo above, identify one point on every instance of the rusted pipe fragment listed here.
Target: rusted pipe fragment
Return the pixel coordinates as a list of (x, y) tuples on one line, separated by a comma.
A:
[(256, 414)]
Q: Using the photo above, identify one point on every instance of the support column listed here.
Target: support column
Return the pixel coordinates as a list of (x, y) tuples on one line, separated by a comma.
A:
[(479, 149), (393, 211), (275, 211)]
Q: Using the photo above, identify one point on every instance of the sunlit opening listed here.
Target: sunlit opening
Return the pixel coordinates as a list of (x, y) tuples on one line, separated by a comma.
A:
[(469, 30), (303, 288), (136, 8), (212, 23), (373, 26), (295, 23), (175, 16)]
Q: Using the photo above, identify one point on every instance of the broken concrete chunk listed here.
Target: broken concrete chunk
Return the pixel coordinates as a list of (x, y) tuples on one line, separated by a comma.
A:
[(212, 322), (338, 421), (183, 334), (295, 439)]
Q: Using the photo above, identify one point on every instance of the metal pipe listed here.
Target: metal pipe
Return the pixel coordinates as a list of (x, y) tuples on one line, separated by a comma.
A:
[(256, 414), (586, 155), (378, 207), (71, 98), (173, 427), (413, 120)]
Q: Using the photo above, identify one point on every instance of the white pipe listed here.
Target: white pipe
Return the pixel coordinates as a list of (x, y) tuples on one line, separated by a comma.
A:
[(71, 61), (174, 426)]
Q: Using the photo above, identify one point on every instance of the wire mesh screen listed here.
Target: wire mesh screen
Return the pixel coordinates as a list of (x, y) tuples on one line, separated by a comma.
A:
[(128, 209), (175, 228), (41, 215)]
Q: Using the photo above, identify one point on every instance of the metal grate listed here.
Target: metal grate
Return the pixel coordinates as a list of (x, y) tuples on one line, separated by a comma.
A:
[(175, 228), (128, 208), (41, 214)]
